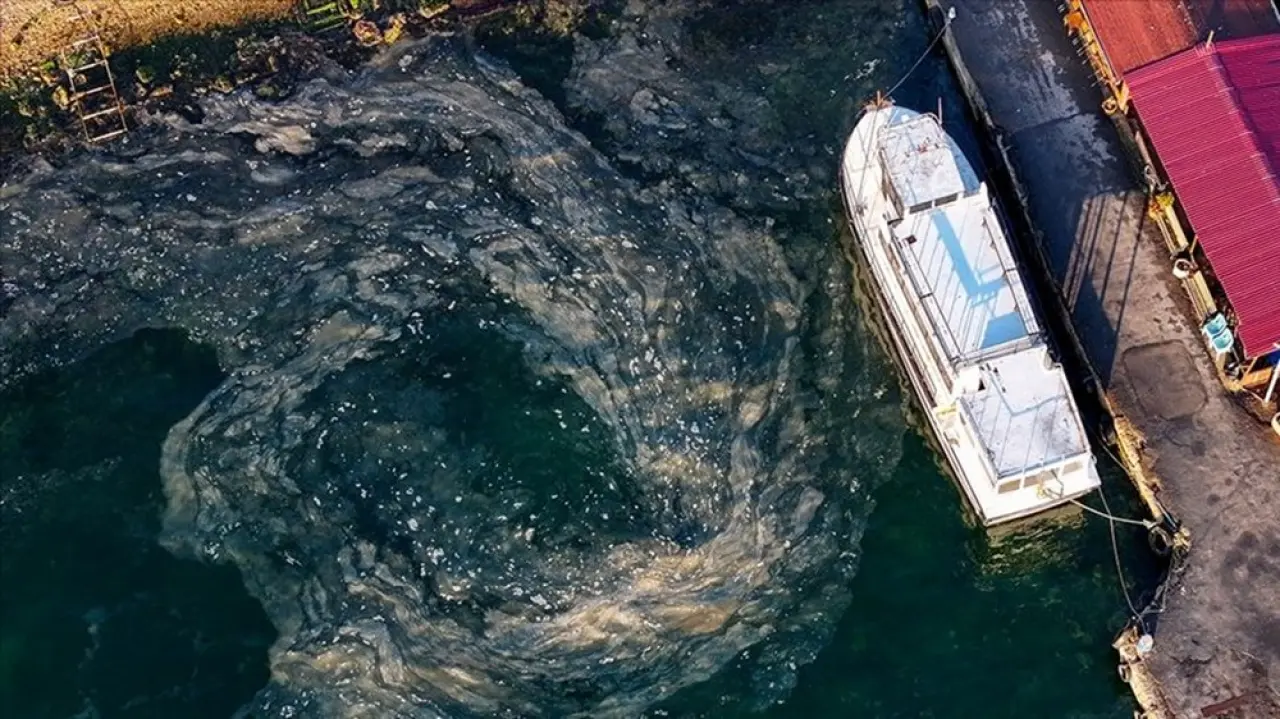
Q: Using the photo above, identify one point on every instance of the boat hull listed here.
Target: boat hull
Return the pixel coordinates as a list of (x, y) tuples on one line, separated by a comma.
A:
[(913, 360)]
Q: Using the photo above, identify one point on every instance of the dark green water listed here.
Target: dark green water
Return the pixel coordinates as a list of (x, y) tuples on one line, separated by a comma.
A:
[(93, 612), (948, 622), (945, 620)]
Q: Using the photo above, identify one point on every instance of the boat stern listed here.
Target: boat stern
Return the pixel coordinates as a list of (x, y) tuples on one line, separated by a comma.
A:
[(1036, 491)]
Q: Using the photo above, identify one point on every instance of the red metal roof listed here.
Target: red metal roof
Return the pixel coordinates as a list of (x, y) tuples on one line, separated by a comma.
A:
[(1133, 34), (1213, 116), (1136, 32)]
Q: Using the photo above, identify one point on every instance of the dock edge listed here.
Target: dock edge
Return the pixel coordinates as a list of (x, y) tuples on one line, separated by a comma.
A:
[(1128, 439)]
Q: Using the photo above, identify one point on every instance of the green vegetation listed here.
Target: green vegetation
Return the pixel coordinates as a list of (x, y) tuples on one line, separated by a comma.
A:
[(35, 112), (271, 58)]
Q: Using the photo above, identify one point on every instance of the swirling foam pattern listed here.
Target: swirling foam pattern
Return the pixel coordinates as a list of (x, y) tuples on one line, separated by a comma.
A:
[(505, 433)]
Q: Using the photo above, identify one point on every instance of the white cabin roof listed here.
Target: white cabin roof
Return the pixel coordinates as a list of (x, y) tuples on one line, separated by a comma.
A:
[(958, 259), (1024, 414), (924, 163), (931, 230)]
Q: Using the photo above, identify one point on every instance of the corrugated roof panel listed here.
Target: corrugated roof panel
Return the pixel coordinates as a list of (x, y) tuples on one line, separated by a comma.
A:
[(1134, 33), (1213, 117)]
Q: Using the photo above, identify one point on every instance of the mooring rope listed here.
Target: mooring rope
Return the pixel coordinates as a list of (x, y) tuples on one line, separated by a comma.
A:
[(1115, 553), (1147, 523), (951, 15)]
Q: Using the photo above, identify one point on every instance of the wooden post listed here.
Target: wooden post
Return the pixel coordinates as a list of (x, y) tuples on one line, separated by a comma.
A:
[(1275, 375)]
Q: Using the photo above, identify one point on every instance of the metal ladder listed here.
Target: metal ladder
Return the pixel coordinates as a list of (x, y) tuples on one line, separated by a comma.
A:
[(92, 94)]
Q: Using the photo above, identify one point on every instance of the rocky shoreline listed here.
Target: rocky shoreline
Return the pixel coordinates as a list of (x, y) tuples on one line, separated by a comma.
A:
[(223, 47)]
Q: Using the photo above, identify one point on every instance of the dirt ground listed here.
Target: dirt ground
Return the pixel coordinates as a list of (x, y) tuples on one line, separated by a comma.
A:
[(33, 30)]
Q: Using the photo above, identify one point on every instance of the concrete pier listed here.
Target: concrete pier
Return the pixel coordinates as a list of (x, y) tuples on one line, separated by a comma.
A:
[(1194, 453)]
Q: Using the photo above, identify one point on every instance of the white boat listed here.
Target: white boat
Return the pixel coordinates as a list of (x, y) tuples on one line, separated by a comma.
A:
[(960, 318)]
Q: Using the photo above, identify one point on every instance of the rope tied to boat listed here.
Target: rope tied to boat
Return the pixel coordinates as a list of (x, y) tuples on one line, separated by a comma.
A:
[(1115, 553), (1112, 521), (951, 15), (1148, 524)]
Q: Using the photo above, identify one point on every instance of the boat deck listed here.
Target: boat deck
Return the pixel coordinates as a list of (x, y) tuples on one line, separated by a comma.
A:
[(964, 277), (957, 272), (951, 241), (1027, 424)]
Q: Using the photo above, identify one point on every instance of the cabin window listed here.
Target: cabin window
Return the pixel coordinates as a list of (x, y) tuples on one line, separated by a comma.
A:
[(1007, 487), (945, 200), (1037, 479)]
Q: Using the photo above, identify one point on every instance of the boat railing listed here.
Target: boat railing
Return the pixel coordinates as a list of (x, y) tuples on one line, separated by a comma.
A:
[(1008, 265), (1059, 403), (855, 211), (1063, 401), (924, 293), (970, 426), (956, 356), (1048, 464), (987, 354), (988, 458), (1008, 271), (947, 367)]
